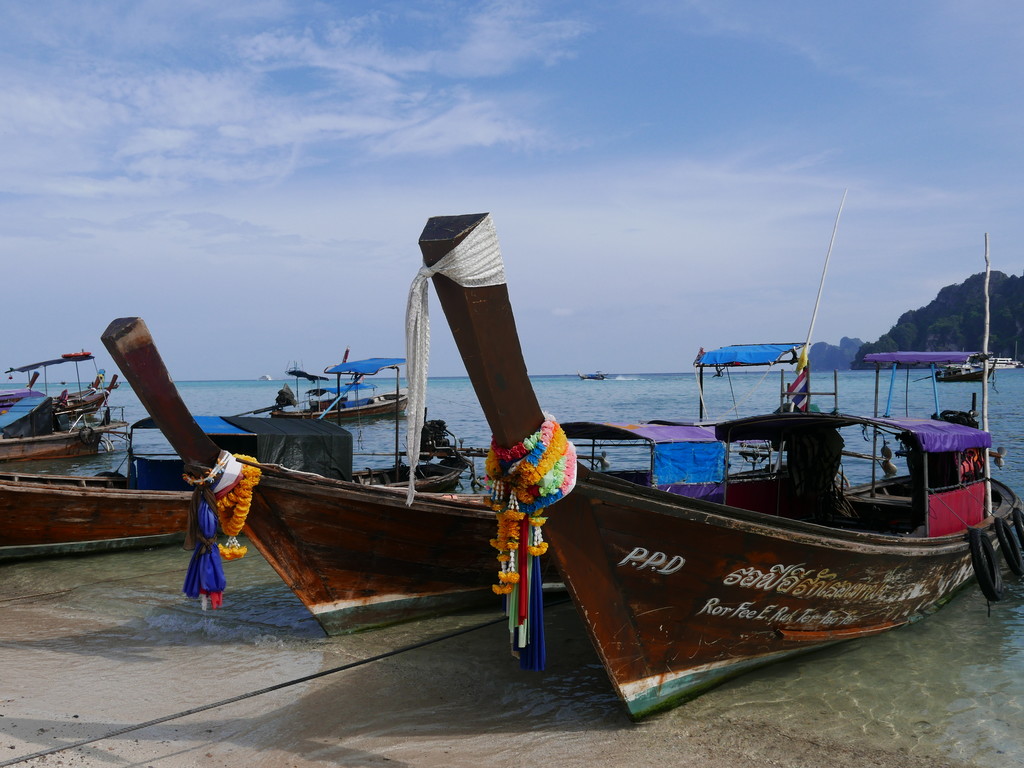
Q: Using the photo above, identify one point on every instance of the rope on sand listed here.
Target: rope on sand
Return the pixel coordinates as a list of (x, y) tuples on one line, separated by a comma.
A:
[(251, 694)]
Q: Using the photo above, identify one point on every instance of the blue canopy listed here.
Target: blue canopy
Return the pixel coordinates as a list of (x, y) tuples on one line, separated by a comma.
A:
[(749, 354), (211, 425), (366, 367), (920, 358)]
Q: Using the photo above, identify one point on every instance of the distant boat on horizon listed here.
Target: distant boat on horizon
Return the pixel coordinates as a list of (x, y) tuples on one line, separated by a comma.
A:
[(266, 377)]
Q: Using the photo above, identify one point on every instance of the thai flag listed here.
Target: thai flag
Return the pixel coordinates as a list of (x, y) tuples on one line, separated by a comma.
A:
[(799, 390)]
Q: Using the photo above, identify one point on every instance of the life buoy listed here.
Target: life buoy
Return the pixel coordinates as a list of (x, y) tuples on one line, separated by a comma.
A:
[(76, 355), (986, 569), (1009, 546)]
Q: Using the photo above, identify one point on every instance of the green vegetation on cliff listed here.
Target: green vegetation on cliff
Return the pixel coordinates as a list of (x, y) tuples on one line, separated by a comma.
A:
[(955, 320)]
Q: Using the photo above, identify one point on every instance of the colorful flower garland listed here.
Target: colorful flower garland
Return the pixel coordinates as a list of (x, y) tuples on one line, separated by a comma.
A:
[(524, 479)]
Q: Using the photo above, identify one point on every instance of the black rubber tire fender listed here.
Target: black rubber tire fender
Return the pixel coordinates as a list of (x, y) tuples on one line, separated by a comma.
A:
[(1009, 546), (1018, 525), (86, 435), (986, 567)]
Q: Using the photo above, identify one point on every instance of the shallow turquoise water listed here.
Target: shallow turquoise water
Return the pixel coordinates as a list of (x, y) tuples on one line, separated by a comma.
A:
[(952, 684)]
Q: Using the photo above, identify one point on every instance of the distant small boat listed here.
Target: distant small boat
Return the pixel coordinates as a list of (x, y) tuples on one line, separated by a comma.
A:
[(964, 372), (596, 376), (266, 377), (1002, 363), (355, 398)]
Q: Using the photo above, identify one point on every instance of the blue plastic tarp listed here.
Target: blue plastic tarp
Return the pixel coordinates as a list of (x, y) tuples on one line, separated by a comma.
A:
[(696, 462)]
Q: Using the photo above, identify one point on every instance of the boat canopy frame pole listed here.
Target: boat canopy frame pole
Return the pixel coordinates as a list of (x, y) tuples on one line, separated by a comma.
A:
[(398, 410), (892, 389), (700, 391), (935, 387)]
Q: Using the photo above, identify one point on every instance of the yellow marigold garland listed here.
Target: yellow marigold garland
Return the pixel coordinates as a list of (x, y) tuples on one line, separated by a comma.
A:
[(233, 508)]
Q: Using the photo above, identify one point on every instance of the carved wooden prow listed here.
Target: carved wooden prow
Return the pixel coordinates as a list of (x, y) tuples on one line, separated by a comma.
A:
[(132, 348), (484, 328)]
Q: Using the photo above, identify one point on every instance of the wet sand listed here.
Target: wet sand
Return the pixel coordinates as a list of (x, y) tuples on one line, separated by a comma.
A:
[(94, 648)]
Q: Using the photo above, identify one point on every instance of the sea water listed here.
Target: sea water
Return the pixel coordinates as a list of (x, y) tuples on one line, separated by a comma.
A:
[(951, 685)]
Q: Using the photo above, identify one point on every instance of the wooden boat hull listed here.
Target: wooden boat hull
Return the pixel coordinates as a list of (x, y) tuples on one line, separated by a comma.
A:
[(359, 557), (383, 405), (680, 597), (431, 476), (48, 515), (951, 377), (679, 594), (83, 441), (44, 515)]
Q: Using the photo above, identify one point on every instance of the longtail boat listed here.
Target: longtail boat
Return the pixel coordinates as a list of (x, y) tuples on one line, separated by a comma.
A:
[(356, 398), (31, 429), (679, 594), (72, 405), (45, 515), (49, 515), (358, 556)]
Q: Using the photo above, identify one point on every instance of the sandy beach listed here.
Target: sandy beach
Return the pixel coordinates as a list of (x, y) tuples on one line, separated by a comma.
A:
[(94, 648)]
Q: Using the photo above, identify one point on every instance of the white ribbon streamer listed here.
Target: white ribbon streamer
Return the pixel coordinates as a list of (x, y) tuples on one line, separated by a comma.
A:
[(473, 263)]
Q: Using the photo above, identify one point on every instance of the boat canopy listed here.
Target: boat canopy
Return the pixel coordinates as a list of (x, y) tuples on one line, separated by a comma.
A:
[(12, 395), (366, 367), (355, 386), (920, 358), (929, 435), (749, 354), (300, 374), (47, 363)]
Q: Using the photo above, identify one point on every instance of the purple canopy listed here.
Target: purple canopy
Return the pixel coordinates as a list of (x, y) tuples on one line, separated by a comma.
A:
[(13, 395), (928, 435), (934, 436), (920, 358)]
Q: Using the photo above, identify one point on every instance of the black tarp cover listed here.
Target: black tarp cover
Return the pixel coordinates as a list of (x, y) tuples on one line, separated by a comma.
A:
[(308, 445), (29, 417)]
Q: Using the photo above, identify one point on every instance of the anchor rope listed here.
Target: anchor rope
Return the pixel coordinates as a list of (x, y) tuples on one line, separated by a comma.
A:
[(259, 692)]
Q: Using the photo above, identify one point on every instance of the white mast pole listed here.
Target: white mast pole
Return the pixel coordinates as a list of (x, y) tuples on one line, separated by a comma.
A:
[(984, 383), (824, 271)]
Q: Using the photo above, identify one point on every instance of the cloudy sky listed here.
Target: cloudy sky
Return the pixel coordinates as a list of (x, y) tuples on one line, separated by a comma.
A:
[(251, 176)]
